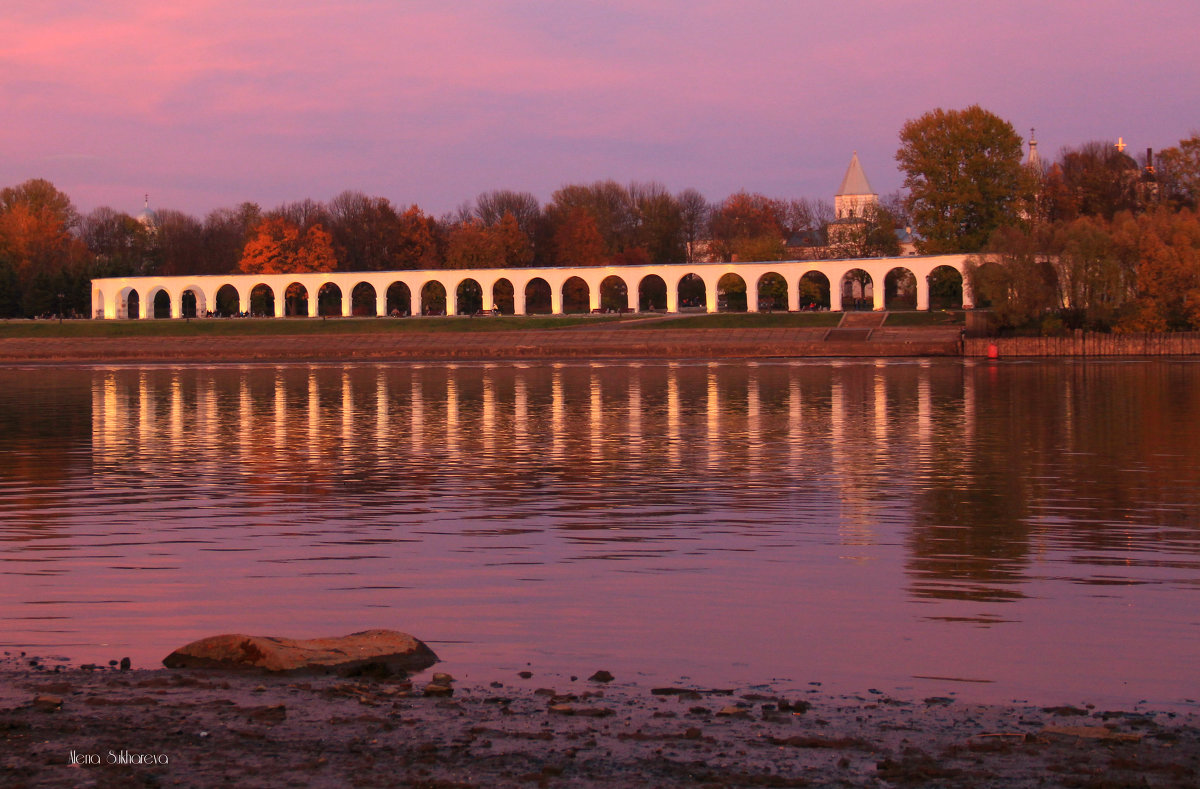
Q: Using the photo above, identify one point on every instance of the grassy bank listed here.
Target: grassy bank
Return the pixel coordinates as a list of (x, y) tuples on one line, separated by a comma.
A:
[(276, 327)]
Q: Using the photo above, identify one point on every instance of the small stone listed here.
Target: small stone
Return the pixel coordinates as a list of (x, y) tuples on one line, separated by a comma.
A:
[(601, 676), (441, 678), (524, 674), (370, 652), (126, 663), (733, 712), (562, 709), (112, 662), (434, 689)]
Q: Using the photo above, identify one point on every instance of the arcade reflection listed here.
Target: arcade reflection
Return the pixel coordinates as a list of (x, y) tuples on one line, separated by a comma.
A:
[(977, 471)]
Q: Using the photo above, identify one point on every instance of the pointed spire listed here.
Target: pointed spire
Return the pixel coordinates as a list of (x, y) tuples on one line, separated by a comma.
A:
[(1034, 159), (855, 182)]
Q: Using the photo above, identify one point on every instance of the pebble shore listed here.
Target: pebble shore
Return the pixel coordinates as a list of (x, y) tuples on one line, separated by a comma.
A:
[(103, 726)]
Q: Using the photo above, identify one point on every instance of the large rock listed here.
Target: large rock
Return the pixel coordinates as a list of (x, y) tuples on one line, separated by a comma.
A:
[(373, 652)]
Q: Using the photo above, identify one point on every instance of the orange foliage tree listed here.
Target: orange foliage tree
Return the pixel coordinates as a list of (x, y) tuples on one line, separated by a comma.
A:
[(578, 242), (278, 247)]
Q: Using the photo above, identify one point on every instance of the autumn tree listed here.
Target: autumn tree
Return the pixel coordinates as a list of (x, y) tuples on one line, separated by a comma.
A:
[(369, 234), (1167, 248), (278, 246), (964, 177), (869, 236), (1015, 279), (1096, 180), (609, 207), (748, 227), (514, 246), (470, 245), (1094, 282), (577, 241), (1179, 171), (40, 255)]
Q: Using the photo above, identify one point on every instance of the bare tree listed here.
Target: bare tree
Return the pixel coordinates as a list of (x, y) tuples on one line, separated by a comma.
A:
[(694, 211)]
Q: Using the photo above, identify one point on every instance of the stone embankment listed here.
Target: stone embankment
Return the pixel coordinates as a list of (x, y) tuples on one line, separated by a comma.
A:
[(576, 343), (1086, 344)]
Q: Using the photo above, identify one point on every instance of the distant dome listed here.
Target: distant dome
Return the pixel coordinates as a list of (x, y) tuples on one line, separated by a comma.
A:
[(148, 218)]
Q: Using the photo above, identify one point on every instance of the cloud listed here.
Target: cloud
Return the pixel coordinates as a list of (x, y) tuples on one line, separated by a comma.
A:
[(429, 97)]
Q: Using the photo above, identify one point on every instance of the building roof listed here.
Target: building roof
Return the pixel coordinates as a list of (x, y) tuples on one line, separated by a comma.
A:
[(855, 182)]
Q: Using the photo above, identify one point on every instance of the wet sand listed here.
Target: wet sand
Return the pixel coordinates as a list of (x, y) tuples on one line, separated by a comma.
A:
[(110, 728), (617, 342)]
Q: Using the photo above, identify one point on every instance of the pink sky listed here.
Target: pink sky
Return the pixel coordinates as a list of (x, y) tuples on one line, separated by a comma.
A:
[(206, 104)]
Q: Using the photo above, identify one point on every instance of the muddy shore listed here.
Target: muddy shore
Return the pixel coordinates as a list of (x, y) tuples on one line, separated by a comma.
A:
[(69, 726)]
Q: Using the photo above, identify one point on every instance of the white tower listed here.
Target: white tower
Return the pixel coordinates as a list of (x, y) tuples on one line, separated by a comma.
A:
[(855, 194)]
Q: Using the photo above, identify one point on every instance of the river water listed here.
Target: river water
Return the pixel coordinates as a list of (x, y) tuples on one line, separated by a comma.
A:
[(996, 530)]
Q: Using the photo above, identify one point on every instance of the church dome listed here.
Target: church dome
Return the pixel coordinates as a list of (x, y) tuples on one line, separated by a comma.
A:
[(147, 217)]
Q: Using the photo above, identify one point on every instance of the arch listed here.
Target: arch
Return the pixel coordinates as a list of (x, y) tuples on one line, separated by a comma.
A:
[(504, 296), (227, 301), (362, 300), (814, 291), (772, 292), (133, 305), (262, 301), (329, 300), (468, 297), (98, 304), (537, 297), (652, 293), (945, 288), (296, 300), (433, 298), (900, 289), (192, 303), (576, 296), (160, 304), (693, 293), (858, 290), (399, 300), (731, 293), (614, 294)]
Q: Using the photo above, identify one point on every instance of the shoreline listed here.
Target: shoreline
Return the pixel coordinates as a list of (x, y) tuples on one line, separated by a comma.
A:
[(584, 343), (208, 728), (574, 343)]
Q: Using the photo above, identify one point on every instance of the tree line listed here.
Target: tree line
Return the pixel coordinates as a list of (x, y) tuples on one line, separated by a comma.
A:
[(1096, 239), (1051, 232)]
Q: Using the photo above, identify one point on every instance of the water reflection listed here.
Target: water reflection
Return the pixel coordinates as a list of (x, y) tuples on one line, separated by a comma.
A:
[(977, 489)]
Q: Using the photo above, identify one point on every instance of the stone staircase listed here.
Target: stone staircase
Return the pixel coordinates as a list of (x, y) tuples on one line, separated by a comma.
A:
[(855, 327)]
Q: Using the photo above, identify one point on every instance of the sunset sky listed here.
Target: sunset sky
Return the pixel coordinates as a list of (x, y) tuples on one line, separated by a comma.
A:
[(207, 104)]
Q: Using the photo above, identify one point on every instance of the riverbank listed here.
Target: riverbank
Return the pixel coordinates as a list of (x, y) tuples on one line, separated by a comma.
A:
[(650, 338), (105, 727), (1087, 344)]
